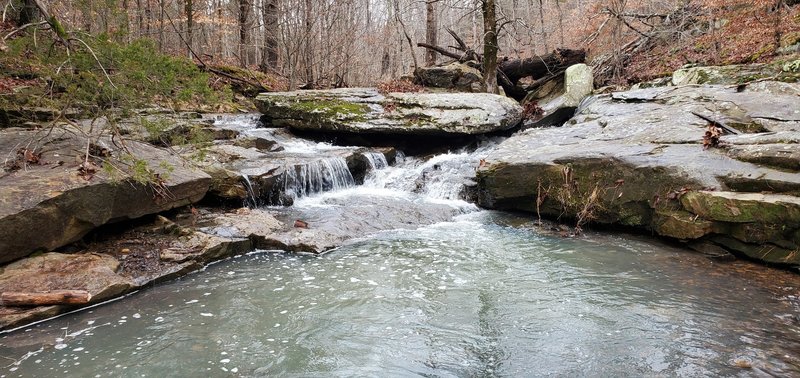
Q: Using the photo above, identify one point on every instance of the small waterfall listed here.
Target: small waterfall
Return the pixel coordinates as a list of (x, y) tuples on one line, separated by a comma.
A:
[(376, 160), (318, 176), (252, 199)]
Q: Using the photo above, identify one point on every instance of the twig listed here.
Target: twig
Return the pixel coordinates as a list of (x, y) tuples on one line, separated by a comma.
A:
[(95, 58), (23, 27)]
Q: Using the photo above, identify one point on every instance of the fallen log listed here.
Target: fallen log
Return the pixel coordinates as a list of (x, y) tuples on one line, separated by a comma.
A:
[(541, 68), (55, 297), (541, 65)]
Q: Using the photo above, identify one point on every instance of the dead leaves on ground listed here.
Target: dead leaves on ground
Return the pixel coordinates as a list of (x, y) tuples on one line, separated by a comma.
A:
[(711, 136), (24, 157)]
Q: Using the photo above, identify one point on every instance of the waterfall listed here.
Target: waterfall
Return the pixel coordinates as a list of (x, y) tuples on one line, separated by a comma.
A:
[(318, 176), (376, 160), (252, 199)]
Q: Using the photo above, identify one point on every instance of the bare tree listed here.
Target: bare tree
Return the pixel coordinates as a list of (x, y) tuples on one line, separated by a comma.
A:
[(489, 46), (430, 31), (269, 11)]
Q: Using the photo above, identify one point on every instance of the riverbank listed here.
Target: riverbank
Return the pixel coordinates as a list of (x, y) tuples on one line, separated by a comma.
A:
[(106, 212)]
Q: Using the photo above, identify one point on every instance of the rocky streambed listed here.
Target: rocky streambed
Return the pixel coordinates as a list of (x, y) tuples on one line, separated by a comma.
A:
[(107, 213)]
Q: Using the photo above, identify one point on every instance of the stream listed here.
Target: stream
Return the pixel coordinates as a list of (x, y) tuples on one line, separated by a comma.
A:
[(462, 292)]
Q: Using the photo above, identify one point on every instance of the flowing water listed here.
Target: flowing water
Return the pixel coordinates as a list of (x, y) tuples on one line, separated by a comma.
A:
[(480, 294)]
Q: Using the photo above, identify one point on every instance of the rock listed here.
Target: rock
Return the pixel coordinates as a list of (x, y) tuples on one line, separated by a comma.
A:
[(45, 202), (247, 174), (578, 84), (331, 222), (12, 117), (364, 110), (204, 248), (732, 74), (95, 273), (744, 207), (557, 109), (680, 224), (779, 156), (456, 76), (634, 159), (766, 252)]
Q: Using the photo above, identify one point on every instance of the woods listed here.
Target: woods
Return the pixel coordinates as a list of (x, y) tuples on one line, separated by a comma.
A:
[(315, 44)]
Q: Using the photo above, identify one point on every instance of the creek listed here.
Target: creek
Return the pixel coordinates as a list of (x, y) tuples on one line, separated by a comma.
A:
[(461, 292)]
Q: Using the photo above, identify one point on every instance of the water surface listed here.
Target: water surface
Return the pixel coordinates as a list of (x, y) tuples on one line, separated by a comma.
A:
[(471, 297)]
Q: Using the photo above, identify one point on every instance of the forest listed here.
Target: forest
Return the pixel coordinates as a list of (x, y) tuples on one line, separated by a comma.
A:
[(324, 43), (400, 188)]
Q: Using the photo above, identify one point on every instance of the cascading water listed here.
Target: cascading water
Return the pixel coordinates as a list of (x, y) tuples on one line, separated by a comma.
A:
[(431, 287), (442, 177), (318, 176), (252, 198), (376, 160)]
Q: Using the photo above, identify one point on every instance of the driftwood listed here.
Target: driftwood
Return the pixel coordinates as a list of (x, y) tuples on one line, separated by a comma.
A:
[(55, 297), (542, 68)]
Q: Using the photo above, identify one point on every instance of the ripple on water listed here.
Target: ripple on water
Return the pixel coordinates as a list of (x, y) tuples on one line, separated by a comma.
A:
[(463, 298)]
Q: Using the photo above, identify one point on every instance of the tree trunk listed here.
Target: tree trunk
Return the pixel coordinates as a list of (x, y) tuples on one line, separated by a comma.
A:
[(161, 25), (28, 14), (244, 10), (270, 14), (541, 21), (309, 48), (489, 46), (430, 32), (56, 297), (189, 26), (542, 65), (140, 18)]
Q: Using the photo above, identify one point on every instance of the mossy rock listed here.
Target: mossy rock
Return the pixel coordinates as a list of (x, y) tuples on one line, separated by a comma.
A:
[(365, 111), (744, 207), (681, 224), (769, 253)]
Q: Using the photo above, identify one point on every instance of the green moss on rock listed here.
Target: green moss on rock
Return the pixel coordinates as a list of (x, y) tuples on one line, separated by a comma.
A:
[(744, 207), (681, 224)]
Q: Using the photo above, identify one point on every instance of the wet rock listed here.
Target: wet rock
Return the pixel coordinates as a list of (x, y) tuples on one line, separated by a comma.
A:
[(726, 75), (634, 158), (13, 317), (364, 110), (681, 224), (13, 117), (744, 207), (455, 76), (559, 106), (48, 201), (711, 250), (779, 156), (95, 273)]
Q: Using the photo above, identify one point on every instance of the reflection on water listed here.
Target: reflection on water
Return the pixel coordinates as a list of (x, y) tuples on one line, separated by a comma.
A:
[(472, 297)]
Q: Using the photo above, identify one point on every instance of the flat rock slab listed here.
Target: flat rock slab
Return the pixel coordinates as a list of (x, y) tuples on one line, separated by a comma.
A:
[(138, 257), (636, 159), (95, 273), (46, 202), (364, 110)]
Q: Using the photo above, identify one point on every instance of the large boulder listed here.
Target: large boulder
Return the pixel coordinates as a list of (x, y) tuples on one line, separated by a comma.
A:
[(636, 159), (734, 74), (454, 76), (559, 104), (364, 110), (50, 196)]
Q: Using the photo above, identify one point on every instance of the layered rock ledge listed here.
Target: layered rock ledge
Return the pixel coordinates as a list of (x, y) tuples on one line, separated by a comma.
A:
[(636, 159), (364, 110), (60, 184)]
